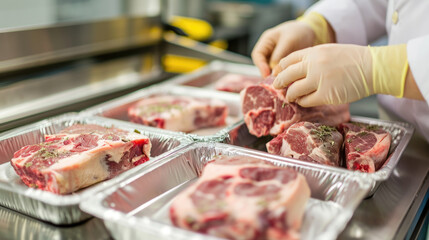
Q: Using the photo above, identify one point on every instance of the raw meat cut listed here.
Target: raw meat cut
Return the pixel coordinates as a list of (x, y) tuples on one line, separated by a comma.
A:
[(312, 142), (239, 197), (179, 113), (266, 112), (79, 156), (366, 146), (232, 82)]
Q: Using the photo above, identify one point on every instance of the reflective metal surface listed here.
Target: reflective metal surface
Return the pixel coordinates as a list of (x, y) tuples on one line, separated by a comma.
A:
[(34, 47), (388, 214), (14, 225), (65, 85), (41, 13), (178, 45)]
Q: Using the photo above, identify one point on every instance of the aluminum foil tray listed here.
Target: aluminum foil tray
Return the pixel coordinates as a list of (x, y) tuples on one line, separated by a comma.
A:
[(118, 108), (207, 76), (401, 134), (63, 209), (138, 207), (19, 226)]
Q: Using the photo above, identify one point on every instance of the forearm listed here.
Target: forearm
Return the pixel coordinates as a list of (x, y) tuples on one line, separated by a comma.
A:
[(411, 90), (331, 33), (392, 74)]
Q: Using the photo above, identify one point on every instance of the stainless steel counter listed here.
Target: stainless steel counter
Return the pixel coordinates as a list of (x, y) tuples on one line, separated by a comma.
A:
[(14, 225), (389, 214)]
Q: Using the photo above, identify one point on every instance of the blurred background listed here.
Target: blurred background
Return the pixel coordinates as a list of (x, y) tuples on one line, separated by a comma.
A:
[(238, 22), (59, 56)]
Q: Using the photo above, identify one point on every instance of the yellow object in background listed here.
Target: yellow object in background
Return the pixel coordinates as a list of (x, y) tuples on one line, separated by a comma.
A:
[(196, 29), (222, 44), (181, 64)]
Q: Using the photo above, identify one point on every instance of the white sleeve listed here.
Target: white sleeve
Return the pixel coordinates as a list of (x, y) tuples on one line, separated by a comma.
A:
[(354, 21), (418, 54)]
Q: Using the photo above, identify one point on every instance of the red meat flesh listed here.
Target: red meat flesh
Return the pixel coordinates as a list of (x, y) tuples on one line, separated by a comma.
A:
[(79, 156), (266, 112), (312, 142), (366, 146), (243, 198), (178, 113)]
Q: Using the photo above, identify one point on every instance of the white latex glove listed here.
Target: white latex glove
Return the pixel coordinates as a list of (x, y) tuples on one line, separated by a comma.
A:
[(278, 42), (340, 73)]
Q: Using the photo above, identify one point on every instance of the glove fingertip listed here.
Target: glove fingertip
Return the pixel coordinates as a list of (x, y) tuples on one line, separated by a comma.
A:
[(304, 102), (290, 99), (277, 84), (264, 69), (277, 70)]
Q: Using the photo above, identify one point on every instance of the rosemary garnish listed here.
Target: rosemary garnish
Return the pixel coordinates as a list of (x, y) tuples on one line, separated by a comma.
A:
[(372, 127), (322, 131), (361, 134), (189, 219), (262, 203), (45, 153)]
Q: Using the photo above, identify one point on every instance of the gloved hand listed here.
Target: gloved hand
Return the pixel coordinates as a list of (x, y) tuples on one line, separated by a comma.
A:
[(280, 41), (339, 73)]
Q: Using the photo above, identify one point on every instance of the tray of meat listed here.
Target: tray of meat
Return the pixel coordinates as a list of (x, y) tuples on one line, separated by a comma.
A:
[(221, 76), (49, 167), (320, 135), (368, 147), (219, 191), (203, 114)]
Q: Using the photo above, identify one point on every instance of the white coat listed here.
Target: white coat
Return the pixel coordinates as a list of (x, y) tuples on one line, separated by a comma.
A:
[(404, 21)]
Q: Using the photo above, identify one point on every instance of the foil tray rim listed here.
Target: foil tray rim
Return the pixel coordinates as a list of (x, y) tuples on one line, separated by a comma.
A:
[(177, 89), (94, 206), (74, 199)]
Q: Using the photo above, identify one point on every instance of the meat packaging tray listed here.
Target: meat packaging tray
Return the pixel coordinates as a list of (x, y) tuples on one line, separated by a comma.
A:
[(401, 134), (19, 226), (207, 76), (63, 209), (118, 108), (138, 207)]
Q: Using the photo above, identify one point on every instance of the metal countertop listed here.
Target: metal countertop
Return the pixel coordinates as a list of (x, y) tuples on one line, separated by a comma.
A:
[(390, 212)]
